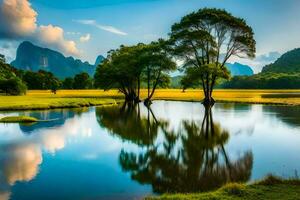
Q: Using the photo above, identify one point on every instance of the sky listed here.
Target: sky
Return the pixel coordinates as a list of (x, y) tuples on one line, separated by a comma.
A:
[(87, 28)]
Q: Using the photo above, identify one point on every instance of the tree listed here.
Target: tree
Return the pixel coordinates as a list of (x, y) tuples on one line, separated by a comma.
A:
[(205, 40), (157, 63), (2, 59), (68, 83), (82, 81), (41, 80), (13, 86), (122, 69)]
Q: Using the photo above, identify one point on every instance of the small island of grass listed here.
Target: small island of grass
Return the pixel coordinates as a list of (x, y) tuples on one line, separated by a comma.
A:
[(18, 119)]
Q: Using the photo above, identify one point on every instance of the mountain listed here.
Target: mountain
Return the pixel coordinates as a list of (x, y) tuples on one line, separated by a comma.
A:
[(34, 58), (238, 69), (287, 63), (99, 60)]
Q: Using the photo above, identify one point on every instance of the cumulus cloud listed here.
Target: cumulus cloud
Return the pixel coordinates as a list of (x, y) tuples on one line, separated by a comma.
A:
[(53, 36), (269, 57), (18, 21), (17, 18), (110, 29), (85, 38)]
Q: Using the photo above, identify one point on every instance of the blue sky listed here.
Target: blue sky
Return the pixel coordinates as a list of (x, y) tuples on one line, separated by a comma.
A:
[(96, 26)]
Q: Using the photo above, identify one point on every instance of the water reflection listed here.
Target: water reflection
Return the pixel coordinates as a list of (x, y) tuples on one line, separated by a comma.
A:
[(21, 155), (51, 118), (288, 114), (127, 123), (175, 147), (190, 159)]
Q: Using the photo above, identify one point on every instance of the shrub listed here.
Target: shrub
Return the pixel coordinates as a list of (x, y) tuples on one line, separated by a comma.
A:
[(235, 189), (13, 86)]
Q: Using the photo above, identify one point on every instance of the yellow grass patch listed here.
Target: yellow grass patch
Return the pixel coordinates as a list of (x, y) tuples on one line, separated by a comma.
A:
[(44, 99)]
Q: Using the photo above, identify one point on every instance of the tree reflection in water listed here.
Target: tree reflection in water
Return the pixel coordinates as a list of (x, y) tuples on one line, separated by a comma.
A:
[(191, 159)]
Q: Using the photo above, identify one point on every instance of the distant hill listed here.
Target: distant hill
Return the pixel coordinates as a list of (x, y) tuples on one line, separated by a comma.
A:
[(238, 69), (175, 81), (99, 60), (34, 58), (287, 63)]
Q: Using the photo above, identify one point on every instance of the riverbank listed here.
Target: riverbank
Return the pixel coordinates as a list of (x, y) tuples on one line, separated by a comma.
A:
[(43, 99), (269, 188)]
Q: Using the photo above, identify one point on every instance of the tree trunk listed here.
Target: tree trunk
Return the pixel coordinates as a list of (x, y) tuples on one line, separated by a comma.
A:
[(208, 99)]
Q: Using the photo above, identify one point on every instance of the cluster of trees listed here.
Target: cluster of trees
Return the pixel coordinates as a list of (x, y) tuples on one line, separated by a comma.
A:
[(16, 82), (128, 67), (80, 81), (203, 40), (265, 81), (10, 83)]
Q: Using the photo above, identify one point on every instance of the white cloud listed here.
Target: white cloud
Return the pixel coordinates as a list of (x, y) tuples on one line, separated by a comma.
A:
[(18, 21), (259, 62), (73, 33), (102, 27), (17, 18), (85, 38), (53, 36)]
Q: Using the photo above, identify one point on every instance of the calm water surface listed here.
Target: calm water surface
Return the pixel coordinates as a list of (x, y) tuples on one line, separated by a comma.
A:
[(127, 152)]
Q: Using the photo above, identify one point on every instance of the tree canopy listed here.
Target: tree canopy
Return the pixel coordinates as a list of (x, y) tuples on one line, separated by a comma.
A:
[(122, 70), (205, 40), (127, 67)]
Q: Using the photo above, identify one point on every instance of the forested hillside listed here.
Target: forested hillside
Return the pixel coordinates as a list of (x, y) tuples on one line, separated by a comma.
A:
[(284, 73)]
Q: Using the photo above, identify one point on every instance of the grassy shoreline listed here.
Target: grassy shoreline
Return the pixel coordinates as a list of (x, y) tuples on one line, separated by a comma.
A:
[(43, 99), (269, 188)]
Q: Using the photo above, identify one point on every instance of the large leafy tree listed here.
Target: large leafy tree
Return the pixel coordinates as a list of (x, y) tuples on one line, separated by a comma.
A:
[(205, 40), (122, 70), (157, 63)]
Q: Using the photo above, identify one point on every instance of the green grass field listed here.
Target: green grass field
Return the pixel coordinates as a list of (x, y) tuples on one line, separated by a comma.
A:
[(42, 99), (271, 188)]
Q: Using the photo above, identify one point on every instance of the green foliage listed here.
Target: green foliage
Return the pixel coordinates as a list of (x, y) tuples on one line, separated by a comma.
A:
[(82, 81), (201, 37), (68, 83), (265, 81), (128, 67), (12, 86), (157, 63), (122, 70), (235, 189), (287, 63), (2, 58), (286, 189), (41, 80)]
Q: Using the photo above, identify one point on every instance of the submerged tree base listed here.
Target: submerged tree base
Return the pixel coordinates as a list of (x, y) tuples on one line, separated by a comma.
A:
[(147, 102), (208, 102)]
